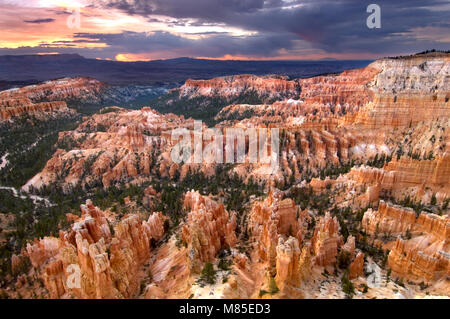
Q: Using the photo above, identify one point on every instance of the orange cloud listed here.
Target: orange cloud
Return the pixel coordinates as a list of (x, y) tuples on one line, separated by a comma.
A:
[(47, 53), (316, 56), (132, 57)]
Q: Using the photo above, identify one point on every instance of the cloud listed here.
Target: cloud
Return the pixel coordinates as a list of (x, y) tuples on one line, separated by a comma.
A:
[(329, 25), (238, 28), (38, 21), (205, 9), (164, 44)]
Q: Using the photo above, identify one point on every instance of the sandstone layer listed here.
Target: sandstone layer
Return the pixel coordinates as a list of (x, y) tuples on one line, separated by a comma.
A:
[(266, 87), (98, 257), (48, 98)]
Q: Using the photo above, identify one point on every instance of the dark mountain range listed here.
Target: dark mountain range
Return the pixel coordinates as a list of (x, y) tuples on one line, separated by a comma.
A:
[(33, 68)]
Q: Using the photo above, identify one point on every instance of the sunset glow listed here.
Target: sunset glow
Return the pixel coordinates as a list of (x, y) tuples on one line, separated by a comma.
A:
[(125, 57), (151, 31)]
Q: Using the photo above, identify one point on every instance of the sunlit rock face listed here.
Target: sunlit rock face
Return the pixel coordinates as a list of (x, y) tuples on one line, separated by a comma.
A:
[(422, 254), (326, 241), (349, 246), (114, 147), (388, 93), (388, 219), (418, 179), (347, 91), (393, 105), (321, 97), (408, 91), (357, 266), (278, 230), (288, 262), (276, 227), (209, 228), (409, 172), (265, 87), (99, 257), (270, 219), (85, 89), (49, 98), (12, 108), (426, 255)]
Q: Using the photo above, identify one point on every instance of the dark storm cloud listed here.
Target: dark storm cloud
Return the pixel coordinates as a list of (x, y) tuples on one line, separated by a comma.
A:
[(205, 9), (38, 21), (216, 45), (278, 27), (330, 25), (164, 45)]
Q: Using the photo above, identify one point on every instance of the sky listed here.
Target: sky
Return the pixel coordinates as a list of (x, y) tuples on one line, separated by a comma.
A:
[(135, 30)]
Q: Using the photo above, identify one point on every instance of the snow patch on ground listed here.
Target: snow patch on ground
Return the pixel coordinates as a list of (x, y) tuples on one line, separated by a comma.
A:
[(375, 279), (215, 291), (34, 198), (4, 161), (11, 90), (298, 120), (296, 102)]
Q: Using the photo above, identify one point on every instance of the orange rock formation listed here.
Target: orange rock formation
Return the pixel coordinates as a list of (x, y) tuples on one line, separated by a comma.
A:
[(209, 228), (269, 87), (426, 256), (95, 259), (326, 241), (48, 97)]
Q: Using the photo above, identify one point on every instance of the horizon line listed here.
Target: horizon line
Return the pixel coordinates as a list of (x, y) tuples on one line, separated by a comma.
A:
[(191, 58)]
